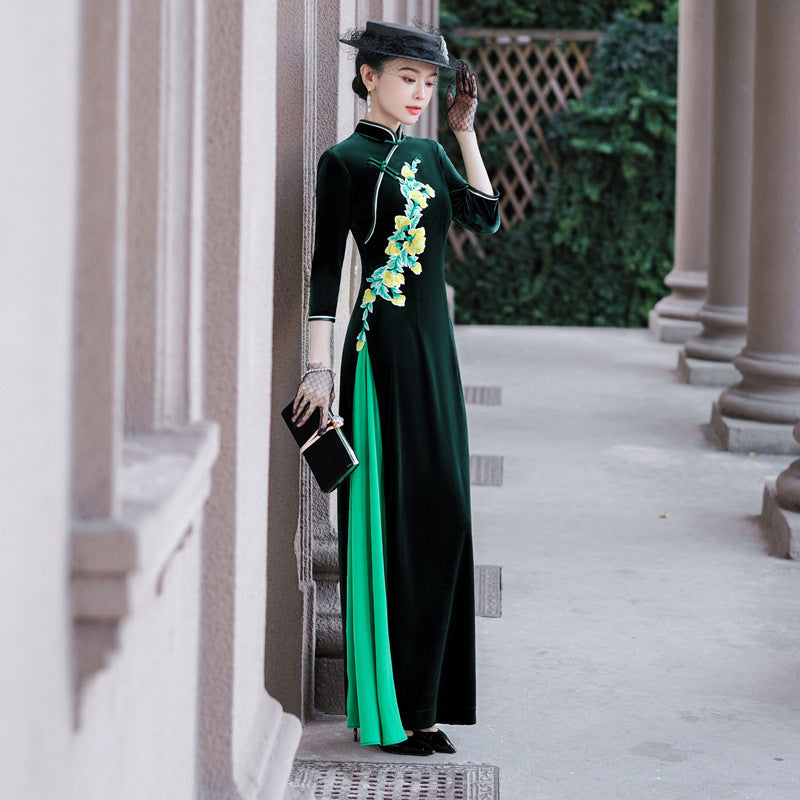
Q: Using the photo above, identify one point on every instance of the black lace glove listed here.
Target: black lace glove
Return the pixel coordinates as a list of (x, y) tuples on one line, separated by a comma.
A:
[(315, 391), (461, 108)]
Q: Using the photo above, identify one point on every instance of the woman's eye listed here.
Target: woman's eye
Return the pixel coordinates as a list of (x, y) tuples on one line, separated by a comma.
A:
[(409, 80)]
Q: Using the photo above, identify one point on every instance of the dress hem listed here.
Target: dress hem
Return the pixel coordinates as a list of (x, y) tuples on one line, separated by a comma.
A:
[(416, 720)]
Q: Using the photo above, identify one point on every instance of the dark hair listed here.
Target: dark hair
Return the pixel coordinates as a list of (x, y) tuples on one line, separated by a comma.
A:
[(374, 60)]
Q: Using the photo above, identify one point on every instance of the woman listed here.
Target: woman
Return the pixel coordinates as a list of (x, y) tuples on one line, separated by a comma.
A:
[(405, 542)]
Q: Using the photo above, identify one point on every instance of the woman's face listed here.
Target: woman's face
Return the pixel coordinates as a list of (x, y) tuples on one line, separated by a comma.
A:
[(401, 91)]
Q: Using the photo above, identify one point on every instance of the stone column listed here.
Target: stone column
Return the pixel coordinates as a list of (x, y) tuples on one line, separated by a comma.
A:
[(707, 358), (780, 515), (673, 318), (759, 412), (290, 590), (246, 740)]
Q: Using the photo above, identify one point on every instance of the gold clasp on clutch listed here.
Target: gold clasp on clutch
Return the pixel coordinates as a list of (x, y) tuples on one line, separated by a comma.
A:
[(334, 421)]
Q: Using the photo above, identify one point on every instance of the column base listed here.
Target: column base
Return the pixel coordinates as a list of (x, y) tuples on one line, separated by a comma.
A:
[(329, 686), (781, 527), (769, 390), (748, 436), (788, 485), (723, 336), (671, 330), (699, 372)]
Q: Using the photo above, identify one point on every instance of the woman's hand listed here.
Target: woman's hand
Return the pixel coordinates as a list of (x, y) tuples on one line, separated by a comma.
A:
[(315, 391), (461, 108)]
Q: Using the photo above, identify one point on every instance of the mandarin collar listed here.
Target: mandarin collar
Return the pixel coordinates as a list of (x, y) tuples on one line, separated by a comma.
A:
[(378, 132)]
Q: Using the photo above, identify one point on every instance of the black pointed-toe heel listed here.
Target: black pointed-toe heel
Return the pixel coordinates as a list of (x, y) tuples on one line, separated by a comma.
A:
[(413, 746), (437, 740)]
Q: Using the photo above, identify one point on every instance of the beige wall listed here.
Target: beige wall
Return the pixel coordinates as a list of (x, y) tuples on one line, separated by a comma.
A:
[(137, 209), (39, 69)]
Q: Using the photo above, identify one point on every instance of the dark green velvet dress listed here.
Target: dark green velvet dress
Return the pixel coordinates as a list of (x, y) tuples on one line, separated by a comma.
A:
[(397, 195)]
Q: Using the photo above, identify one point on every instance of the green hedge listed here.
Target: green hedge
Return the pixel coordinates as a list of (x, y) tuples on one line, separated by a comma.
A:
[(553, 14), (599, 244)]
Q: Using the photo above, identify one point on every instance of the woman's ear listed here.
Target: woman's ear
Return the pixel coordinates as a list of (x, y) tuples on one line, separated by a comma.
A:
[(368, 75)]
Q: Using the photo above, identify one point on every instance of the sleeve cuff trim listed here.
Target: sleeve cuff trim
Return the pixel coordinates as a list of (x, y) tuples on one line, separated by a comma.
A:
[(322, 316), (495, 196)]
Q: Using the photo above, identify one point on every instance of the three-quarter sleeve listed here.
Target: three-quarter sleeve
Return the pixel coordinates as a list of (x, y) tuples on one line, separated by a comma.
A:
[(474, 210), (334, 211)]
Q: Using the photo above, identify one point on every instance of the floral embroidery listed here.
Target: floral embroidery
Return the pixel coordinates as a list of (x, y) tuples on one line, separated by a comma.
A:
[(404, 247)]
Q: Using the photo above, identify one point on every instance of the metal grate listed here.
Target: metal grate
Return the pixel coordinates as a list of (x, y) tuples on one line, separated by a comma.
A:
[(364, 780), (483, 395), (525, 76), (486, 470), (488, 591)]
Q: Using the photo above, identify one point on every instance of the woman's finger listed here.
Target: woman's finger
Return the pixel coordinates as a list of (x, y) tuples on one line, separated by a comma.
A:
[(323, 419), (301, 409), (306, 415)]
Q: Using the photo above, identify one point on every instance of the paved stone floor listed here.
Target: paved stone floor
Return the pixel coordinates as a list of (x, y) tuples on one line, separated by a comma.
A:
[(648, 647)]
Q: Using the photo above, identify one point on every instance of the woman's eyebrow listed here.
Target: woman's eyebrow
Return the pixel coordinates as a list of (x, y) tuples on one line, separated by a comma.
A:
[(432, 74)]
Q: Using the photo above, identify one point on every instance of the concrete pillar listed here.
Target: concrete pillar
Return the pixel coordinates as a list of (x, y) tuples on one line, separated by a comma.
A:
[(759, 412), (290, 589), (780, 516), (673, 318), (159, 216), (707, 358), (100, 274), (246, 740), (99, 330)]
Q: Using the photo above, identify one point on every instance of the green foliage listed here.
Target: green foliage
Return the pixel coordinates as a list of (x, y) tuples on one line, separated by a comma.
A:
[(553, 14), (599, 244)]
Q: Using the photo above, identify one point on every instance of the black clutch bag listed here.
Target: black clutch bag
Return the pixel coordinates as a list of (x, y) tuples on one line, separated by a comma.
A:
[(330, 456)]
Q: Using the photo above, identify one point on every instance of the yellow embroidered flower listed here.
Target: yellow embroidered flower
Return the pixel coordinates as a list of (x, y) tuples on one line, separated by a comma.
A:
[(403, 247), (416, 244), (420, 198), (392, 279)]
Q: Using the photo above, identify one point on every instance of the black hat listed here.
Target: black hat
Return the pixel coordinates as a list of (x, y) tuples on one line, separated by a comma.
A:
[(401, 41)]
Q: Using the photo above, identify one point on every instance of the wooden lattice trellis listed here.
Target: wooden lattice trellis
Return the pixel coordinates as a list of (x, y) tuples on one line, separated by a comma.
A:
[(523, 75)]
